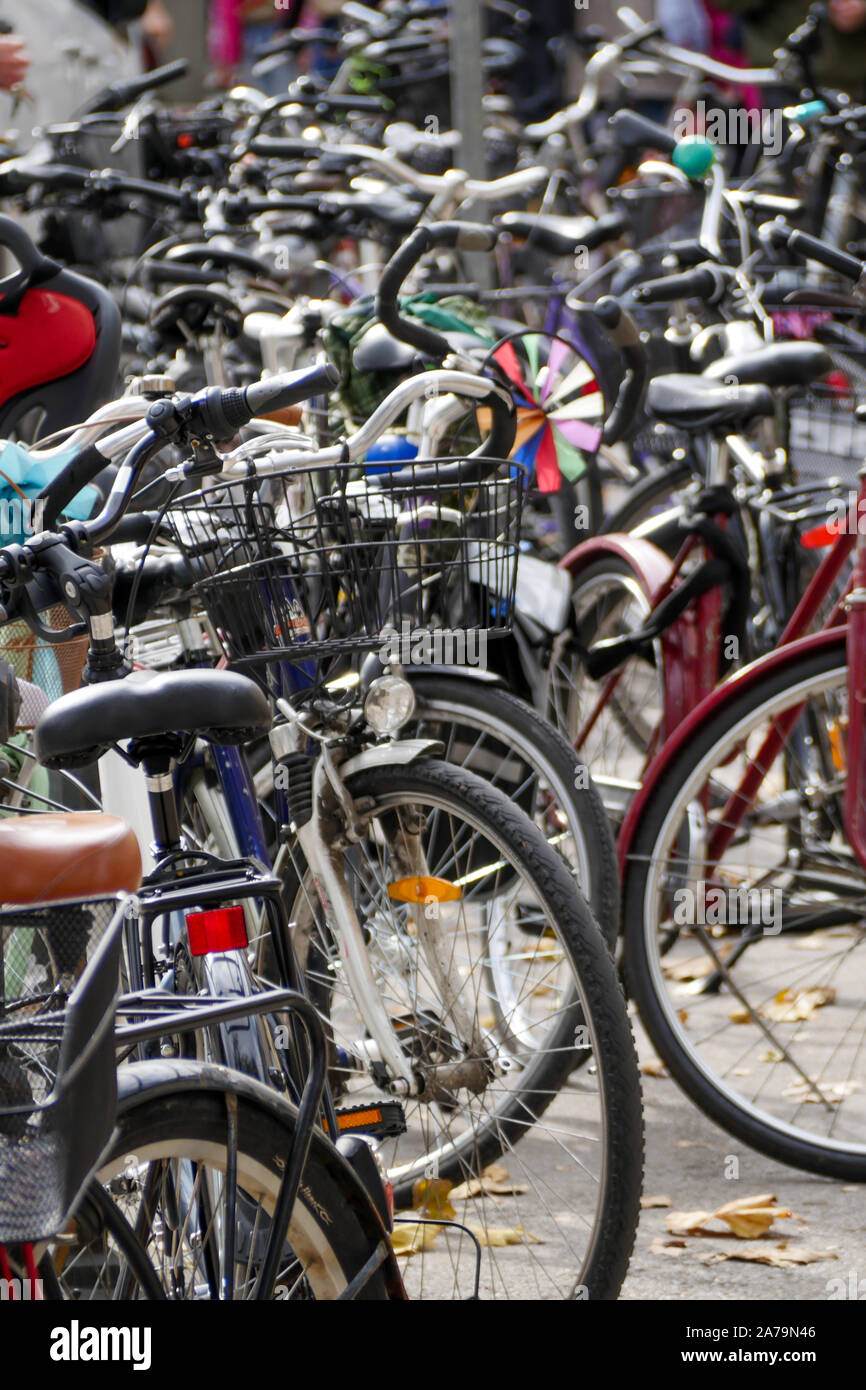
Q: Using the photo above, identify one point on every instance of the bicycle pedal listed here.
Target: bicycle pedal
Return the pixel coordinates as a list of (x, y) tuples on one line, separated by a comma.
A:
[(385, 1121)]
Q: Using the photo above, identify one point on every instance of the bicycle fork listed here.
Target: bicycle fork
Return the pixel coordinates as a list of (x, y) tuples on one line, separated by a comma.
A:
[(327, 830)]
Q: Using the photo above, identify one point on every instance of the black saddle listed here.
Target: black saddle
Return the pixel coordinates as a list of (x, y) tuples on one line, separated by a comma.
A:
[(563, 236), (220, 706), (777, 364), (696, 403), (378, 351)]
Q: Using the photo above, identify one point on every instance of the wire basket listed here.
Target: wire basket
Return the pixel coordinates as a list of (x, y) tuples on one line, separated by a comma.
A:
[(54, 667), (59, 972), (307, 566), (825, 439)]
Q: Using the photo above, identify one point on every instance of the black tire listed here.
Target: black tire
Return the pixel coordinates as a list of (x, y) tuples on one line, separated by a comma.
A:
[(755, 1127), (593, 1000), (455, 710), (653, 493), (180, 1110), (607, 601)]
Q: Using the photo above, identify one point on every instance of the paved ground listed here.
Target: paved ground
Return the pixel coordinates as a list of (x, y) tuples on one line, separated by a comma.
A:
[(687, 1159)]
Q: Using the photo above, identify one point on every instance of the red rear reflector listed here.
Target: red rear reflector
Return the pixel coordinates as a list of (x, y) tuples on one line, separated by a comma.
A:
[(819, 537), (185, 140), (219, 929)]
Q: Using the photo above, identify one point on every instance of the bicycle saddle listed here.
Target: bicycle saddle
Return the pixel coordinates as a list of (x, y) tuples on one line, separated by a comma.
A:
[(697, 403), (777, 364), (49, 857), (563, 236), (220, 706)]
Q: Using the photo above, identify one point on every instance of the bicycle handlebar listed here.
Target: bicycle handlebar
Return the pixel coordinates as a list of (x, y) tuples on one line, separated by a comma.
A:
[(120, 94), (706, 282), (464, 236)]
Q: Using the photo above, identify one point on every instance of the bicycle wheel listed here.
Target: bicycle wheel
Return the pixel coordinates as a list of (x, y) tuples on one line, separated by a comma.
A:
[(614, 723), (744, 941), (157, 1224), (503, 739), (529, 964)]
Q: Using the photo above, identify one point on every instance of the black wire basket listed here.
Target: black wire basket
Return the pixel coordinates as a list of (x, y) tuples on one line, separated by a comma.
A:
[(309, 565), (59, 974)]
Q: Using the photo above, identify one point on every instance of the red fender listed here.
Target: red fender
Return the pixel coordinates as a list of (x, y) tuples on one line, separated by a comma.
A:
[(730, 689), (650, 564), (690, 646)]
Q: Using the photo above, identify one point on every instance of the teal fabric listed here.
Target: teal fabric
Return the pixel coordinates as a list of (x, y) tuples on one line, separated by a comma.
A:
[(24, 473)]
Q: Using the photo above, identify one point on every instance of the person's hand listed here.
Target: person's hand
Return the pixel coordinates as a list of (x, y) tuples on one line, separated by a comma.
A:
[(14, 61), (157, 25), (848, 15)]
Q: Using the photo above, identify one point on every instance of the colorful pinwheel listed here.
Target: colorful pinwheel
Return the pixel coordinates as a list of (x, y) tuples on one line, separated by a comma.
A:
[(560, 408)]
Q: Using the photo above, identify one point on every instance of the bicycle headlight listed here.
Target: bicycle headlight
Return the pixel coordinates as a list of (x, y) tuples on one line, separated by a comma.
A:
[(389, 704)]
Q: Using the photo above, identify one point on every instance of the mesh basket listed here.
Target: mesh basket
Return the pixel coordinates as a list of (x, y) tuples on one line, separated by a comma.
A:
[(825, 439), (59, 971), (299, 566), (54, 668)]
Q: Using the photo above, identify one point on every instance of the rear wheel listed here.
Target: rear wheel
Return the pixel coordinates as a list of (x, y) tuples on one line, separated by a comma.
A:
[(165, 1230), (747, 959)]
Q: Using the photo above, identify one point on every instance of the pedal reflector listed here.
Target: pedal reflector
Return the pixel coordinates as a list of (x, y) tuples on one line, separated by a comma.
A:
[(418, 890)]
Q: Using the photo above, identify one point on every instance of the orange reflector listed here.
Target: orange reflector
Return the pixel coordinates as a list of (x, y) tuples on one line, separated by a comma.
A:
[(418, 890), (819, 537), (837, 743), (357, 1119)]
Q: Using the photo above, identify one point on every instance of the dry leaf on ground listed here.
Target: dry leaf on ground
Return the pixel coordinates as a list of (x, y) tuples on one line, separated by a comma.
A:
[(653, 1067), (495, 1181), (430, 1197), (411, 1237), (503, 1235), (780, 1256), (650, 1203), (827, 1093), (746, 1218), (660, 1246), (790, 1005)]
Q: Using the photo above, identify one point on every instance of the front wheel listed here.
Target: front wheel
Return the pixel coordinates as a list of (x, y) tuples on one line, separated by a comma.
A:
[(528, 963)]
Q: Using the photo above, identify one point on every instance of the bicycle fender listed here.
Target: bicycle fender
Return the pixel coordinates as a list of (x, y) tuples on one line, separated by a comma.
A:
[(397, 754), (650, 564)]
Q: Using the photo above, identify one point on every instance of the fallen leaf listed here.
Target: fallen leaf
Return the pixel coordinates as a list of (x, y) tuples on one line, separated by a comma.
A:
[(789, 1005), (668, 1247), (503, 1235), (411, 1237), (828, 1092), (780, 1256), (751, 1216), (771, 1055), (688, 1223), (746, 1217), (495, 1181), (650, 1203), (430, 1197), (653, 1067)]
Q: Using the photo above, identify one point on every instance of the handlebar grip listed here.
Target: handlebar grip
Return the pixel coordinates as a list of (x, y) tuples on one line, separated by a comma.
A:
[(811, 248), (705, 282), (120, 94), (135, 527), (290, 388), (632, 129), (464, 236)]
